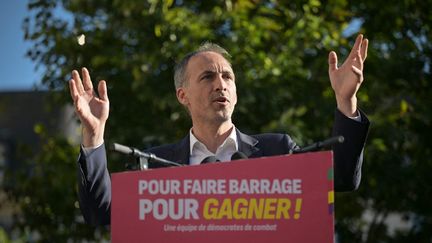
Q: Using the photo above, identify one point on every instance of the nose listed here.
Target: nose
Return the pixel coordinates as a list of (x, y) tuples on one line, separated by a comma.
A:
[(220, 83)]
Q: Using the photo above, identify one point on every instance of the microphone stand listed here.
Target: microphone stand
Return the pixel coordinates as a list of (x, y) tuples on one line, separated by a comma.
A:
[(319, 145), (142, 157)]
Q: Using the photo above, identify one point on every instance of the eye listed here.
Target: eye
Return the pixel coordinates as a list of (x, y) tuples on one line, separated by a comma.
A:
[(207, 77), (228, 76)]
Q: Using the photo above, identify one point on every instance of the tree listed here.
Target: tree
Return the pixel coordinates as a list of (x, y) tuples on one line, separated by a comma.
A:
[(279, 54), (397, 93)]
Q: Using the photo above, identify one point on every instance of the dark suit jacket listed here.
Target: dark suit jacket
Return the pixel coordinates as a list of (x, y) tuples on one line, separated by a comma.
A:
[(95, 182)]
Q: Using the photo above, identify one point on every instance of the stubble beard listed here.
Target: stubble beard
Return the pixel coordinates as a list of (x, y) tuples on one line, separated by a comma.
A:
[(223, 115)]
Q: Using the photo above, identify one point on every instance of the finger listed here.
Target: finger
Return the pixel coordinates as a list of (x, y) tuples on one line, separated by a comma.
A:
[(86, 78), (356, 46), (364, 49), (73, 90), (102, 89), (359, 61), (78, 82), (332, 61)]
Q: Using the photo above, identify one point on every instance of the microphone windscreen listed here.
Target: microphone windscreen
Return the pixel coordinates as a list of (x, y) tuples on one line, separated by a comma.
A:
[(209, 159), (238, 155)]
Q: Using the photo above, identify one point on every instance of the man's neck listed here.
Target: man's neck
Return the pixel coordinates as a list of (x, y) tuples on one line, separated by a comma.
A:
[(212, 136)]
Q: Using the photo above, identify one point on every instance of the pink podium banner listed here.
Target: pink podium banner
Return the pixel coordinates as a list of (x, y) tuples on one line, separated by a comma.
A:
[(285, 198)]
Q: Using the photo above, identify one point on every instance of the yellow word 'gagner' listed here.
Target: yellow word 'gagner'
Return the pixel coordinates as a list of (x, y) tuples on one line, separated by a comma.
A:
[(241, 208)]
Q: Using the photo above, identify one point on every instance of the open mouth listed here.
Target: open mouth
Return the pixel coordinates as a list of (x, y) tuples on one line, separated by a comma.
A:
[(221, 100)]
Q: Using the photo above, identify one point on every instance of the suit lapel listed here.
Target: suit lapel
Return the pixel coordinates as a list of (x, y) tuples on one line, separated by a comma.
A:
[(181, 151), (247, 145)]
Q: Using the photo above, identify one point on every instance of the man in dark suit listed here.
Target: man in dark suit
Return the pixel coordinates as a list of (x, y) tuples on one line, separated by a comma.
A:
[(205, 85)]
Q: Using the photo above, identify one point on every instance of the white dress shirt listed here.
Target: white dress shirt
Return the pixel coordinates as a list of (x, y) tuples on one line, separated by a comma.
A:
[(198, 151)]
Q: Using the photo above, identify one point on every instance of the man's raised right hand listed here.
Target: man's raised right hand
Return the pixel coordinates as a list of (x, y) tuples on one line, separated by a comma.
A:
[(92, 110)]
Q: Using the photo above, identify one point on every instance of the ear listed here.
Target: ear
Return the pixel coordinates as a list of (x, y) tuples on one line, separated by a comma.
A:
[(182, 96)]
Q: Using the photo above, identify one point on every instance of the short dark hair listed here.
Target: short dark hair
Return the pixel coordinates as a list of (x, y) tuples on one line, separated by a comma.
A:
[(180, 68)]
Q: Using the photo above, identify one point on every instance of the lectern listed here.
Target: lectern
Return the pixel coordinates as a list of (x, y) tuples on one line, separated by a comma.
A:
[(286, 198)]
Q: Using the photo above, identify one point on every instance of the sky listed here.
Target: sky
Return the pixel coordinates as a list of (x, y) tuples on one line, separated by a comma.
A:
[(17, 72)]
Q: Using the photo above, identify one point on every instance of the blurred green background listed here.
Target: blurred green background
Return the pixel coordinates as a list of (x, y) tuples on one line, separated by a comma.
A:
[(279, 54)]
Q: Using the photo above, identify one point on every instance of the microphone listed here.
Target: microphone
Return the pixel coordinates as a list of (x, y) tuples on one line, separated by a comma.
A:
[(319, 145), (238, 155), (209, 160), (138, 154)]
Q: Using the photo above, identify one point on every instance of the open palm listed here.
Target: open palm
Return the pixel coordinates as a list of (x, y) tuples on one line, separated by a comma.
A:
[(346, 79), (92, 110)]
